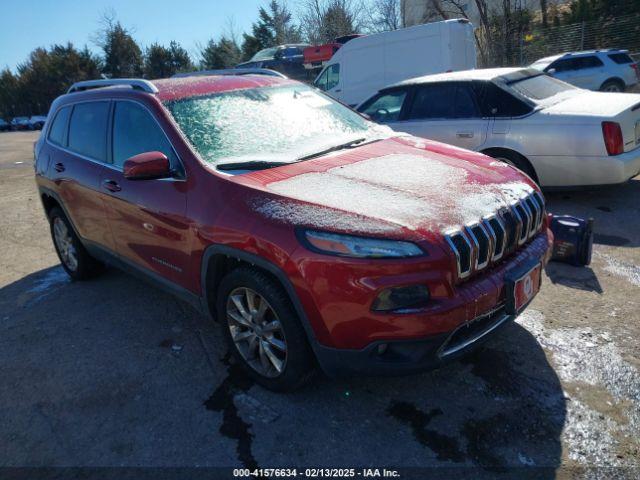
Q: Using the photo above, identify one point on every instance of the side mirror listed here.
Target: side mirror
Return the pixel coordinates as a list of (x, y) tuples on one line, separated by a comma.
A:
[(551, 71), (147, 166)]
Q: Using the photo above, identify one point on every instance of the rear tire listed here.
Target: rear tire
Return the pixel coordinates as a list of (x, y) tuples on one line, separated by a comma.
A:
[(263, 330), (614, 86), (75, 259), (516, 160)]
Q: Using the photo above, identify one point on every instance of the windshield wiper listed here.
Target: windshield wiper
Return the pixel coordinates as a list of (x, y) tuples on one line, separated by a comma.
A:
[(342, 146), (250, 165)]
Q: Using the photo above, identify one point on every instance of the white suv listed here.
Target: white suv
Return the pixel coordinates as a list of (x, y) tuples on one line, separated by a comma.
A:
[(604, 70)]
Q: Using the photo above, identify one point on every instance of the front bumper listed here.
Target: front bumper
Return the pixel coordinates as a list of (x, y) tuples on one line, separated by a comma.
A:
[(412, 356), (405, 344)]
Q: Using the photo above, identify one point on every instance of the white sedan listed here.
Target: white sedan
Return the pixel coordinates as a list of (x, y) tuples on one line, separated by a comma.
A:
[(560, 135)]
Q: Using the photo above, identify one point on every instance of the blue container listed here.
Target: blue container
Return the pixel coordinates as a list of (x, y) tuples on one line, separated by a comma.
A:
[(573, 239)]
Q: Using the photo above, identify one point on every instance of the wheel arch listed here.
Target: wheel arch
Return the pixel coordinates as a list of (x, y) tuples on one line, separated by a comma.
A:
[(49, 202), (497, 151), (218, 260), (616, 80)]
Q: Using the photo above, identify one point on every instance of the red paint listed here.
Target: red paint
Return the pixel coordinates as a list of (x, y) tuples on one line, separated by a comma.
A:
[(165, 226), (146, 165), (320, 53)]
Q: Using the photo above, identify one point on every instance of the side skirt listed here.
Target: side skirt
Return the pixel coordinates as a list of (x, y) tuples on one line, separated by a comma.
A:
[(111, 258)]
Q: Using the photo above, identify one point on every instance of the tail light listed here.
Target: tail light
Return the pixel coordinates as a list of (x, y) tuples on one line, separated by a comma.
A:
[(636, 68), (613, 138)]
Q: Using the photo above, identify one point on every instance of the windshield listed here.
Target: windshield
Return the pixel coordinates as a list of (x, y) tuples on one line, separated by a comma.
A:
[(266, 124), (266, 54), (540, 87)]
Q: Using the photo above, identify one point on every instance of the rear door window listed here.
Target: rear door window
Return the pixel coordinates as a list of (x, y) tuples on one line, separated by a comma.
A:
[(434, 101), (88, 130), (385, 107), (496, 102), (576, 63), (589, 62), (136, 131), (58, 130)]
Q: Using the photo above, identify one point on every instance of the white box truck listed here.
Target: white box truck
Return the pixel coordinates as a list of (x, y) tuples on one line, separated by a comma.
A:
[(366, 64)]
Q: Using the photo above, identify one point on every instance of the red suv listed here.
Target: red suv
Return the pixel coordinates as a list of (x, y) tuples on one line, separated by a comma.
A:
[(313, 235)]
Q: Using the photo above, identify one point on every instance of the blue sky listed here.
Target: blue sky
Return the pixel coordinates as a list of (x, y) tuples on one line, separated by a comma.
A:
[(27, 24)]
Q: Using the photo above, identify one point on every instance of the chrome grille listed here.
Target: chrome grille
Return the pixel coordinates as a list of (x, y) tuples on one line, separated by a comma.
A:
[(478, 245), (496, 229), (462, 249)]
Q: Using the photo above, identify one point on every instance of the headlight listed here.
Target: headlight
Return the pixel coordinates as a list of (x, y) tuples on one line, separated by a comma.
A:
[(358, 247)]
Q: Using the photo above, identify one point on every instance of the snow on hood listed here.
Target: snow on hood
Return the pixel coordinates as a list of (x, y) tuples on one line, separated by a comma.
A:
[(422, 191), (588, 103)]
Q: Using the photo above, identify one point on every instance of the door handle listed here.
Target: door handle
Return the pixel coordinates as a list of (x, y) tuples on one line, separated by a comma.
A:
[(59, 167), (111, 185), (464, 134)]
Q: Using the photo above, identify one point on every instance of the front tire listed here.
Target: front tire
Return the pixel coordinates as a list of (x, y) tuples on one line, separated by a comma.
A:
[(263, 331), (75, 259)]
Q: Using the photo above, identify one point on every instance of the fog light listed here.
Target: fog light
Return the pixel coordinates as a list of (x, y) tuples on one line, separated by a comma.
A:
[(397, 298)]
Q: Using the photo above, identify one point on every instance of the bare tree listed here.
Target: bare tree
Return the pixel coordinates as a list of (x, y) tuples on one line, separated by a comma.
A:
[(385, 15), (324, 20)]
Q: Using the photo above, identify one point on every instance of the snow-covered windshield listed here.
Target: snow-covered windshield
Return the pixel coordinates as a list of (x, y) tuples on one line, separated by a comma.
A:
[(266, 54), (540, 87), (267, 124)]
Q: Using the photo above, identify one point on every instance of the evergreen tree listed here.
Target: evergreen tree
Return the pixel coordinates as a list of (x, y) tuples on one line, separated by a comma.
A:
[(222, 54)]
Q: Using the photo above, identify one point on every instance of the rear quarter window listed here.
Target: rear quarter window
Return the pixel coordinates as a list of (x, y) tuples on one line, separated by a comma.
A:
[(88, 129), (621, 58), (58, 130)]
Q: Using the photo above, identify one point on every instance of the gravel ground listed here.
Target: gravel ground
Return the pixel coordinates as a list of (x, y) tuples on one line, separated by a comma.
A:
[(113, 372)]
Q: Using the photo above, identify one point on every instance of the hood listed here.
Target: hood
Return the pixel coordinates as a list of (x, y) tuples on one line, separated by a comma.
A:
[(404, 183), (588, 103)]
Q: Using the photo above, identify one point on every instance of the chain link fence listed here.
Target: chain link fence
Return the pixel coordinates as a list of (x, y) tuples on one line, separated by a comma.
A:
[(524, 48)]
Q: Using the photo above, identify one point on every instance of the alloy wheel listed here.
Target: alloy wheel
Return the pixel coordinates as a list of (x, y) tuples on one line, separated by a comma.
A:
[(256, 332), (64, 242)]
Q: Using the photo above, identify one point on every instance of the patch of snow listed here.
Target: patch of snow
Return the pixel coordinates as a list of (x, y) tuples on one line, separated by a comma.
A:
[(621, 269), (361, 198), (524, 460), (49, 280), (586, 356), (408, 190), (411, 173), (295, 213)]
